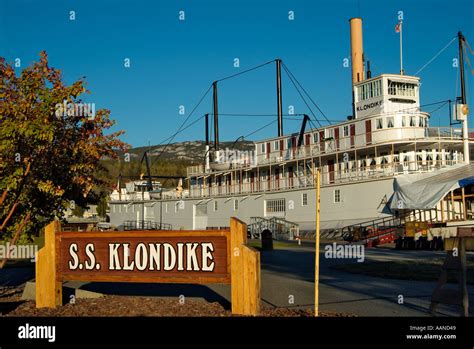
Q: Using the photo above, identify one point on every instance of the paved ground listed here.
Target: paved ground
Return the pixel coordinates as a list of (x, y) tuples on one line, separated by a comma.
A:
[(287, 281)]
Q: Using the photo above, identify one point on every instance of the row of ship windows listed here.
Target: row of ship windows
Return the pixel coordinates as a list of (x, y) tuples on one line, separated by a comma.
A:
[(380, 123), (271, 205), (373, 89), (279, 205), (404, 121)]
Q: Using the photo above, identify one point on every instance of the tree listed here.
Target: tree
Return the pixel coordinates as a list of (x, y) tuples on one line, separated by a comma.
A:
[(48, 156), (102, 206), (78, 211)]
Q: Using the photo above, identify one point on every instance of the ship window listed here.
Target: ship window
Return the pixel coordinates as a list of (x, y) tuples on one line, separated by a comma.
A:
[(379, 123), (262, 148), (421, 122), (337, 195), (315, 138), (331, 133), (304, 199), (288, 143), (404, 120), (390, 122), (378, 88), (369, 90), (215, 205), (275, 205), (412, 120), (236, 205), (401, 89), (276, 145), (345, 131)]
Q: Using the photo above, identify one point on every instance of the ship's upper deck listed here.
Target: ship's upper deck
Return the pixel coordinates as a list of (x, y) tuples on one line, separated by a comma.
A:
[(387, 111)]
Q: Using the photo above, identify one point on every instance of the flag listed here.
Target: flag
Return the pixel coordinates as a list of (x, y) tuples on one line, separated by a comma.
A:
[(398, 27)]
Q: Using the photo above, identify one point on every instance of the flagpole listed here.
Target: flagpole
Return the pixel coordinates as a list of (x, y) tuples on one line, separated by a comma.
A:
[(401, 48)]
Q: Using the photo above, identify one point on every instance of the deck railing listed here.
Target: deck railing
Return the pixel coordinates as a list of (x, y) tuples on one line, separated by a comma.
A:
[(305, 180), (352, 143)]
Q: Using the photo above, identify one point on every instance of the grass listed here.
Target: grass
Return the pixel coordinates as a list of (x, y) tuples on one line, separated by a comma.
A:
[(424, 270)]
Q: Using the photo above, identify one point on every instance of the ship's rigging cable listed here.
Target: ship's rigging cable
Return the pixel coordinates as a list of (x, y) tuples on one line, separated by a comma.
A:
[(180, 129), (245, 71), (468, 60), (408, 110), (307, 94), (240, 114), (301, 95), (259, 129), (436, 109), (435, 56)]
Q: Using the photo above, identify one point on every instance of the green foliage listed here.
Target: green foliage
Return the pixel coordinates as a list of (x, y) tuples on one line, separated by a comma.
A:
[(78, 211), (47, 158), (102, 207)]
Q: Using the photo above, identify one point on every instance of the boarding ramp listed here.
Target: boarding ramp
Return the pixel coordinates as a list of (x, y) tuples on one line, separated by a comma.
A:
[(280, 228), (146, 225), (400, 229)]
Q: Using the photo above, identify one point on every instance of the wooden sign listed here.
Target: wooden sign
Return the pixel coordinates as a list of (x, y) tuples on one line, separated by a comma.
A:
[(143, 256), (166, 256)]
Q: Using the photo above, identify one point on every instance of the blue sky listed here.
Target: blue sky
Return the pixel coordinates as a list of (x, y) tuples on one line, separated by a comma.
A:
[(173, 62)]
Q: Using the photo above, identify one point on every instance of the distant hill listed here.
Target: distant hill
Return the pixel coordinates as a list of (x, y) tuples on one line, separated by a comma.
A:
[(173, 162), (188, 151)]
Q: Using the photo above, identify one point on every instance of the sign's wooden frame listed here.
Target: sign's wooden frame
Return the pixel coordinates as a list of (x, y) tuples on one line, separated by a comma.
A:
[(243, 265)]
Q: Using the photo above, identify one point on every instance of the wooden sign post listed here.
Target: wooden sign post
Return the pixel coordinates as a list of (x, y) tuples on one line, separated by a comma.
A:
[(194, 257)]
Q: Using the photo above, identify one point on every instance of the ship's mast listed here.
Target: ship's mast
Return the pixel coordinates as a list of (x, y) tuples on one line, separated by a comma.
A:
[(465, 132), (216, 116), (279, 102), (207, 140)]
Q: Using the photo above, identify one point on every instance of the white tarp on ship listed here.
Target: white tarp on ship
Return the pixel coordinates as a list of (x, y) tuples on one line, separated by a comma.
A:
[(425, 190)]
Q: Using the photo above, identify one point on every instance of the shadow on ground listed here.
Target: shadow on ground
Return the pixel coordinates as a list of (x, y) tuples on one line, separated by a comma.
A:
[(157, 290)]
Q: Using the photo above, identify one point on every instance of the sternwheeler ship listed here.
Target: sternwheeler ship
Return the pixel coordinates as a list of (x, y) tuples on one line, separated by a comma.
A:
[(385, 162)]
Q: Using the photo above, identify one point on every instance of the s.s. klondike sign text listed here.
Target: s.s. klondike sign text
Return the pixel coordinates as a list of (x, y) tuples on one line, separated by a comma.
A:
[(195, 257), (141, 256)]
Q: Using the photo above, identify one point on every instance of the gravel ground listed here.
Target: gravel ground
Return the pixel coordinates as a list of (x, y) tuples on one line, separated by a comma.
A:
[(138, 306)]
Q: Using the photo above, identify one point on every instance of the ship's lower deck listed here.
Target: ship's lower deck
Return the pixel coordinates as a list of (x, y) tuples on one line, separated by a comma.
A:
[(342, 204)]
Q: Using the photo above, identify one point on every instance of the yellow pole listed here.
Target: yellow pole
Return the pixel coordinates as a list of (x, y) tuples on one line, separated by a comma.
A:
[(316, 257)]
